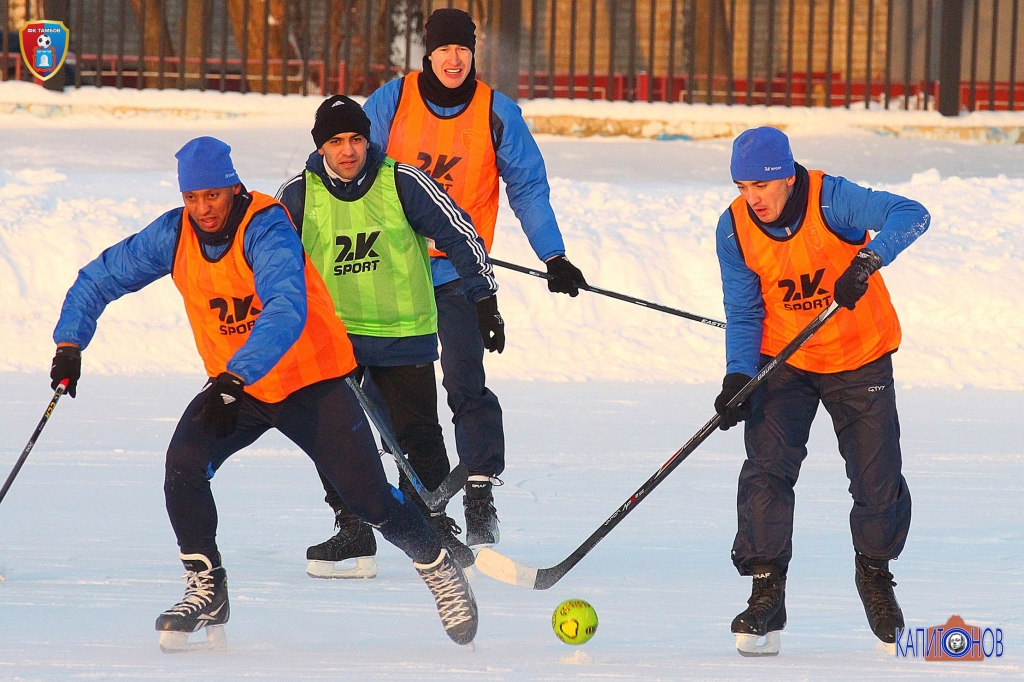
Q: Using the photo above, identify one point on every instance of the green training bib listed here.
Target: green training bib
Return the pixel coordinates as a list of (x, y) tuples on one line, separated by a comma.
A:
[(375, 266)]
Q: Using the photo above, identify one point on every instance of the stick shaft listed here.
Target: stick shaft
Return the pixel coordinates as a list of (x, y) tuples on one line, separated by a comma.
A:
[(435, 499), (622, 297), (61, 387), (546, 577)]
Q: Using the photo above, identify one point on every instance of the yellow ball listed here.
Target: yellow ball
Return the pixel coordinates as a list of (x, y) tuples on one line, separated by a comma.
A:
[(574, 621)]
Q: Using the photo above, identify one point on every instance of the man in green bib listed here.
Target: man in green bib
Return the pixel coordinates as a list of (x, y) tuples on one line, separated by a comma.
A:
[(364, 220)]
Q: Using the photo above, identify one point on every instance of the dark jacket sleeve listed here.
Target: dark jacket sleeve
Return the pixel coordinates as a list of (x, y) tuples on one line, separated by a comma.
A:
[(433, 214), (273, 248), (121, 269), (293, 195)]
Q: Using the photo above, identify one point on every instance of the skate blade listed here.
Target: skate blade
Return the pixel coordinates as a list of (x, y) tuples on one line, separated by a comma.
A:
[(177, 642), (366, 567), (747, 645), (885, 648)]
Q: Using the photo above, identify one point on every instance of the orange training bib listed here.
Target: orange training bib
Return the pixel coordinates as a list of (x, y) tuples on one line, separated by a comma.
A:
[(798, 275), (222, 307), (458, 152)]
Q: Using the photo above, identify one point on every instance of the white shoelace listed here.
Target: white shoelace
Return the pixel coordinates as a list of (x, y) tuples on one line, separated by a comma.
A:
[(450, 598), (198, 593)]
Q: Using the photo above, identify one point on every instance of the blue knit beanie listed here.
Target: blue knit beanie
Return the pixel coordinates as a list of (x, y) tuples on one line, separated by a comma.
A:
[(761, 154), (205, 163)]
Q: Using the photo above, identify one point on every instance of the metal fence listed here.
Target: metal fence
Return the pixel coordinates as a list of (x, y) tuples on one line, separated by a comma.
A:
[(830, 53)]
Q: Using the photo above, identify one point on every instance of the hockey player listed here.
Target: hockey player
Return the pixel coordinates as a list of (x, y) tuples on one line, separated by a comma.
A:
[(466, 136), (790, 244), (364, 220), (276, 355)]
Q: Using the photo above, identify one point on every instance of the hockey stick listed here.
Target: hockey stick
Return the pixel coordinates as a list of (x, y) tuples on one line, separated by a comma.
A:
[(621, 297), (507, 570), (435, 500), (61, 387)]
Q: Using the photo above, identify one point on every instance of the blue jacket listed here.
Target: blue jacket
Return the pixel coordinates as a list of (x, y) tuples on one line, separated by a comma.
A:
[(432, 214), (271, 246), (850, 210), (520, 165)]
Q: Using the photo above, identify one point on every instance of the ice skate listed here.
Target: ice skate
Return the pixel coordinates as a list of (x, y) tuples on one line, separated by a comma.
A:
[(757, 629), (453, 596), (874, 585), (448, 530), (353, 541), (205, 605), (481, 516)]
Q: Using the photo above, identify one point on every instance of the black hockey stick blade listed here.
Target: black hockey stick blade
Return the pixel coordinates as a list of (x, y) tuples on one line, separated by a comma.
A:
[(501, 567), (434, 499), (61, 387), (622, 297)]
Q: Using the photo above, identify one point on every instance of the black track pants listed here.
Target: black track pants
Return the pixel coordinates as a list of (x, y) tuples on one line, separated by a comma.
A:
[(862, 404), (409, 397), (325, 421)]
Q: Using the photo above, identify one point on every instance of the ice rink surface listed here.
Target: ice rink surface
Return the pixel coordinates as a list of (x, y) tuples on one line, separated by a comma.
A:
[(90, 559)]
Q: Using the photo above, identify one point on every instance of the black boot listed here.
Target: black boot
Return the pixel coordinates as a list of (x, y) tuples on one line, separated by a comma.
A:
[(442, 524), (766, 608), (205, 605), (874, 585), (448, 530), (354, 540), (481, 517)]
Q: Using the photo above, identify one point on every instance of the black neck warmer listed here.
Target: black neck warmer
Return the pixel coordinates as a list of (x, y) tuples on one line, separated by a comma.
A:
[(435, 92), (225, 234), (793, 211)]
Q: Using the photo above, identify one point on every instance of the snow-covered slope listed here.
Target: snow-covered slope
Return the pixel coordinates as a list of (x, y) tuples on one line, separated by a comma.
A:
[(956, 289)]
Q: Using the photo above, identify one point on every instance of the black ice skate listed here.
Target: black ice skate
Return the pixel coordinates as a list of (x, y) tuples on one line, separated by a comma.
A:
[(874, 585), (453, 596), (481, 517), (765, 615), (205, 605), (354, 540), (448, 531)]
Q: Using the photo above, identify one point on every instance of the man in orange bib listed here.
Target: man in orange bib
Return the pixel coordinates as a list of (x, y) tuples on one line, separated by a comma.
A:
[(466, 136), (276, 355), (790, 244)]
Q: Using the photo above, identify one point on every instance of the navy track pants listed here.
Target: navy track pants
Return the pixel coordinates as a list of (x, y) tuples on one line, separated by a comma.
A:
[(862, 404)]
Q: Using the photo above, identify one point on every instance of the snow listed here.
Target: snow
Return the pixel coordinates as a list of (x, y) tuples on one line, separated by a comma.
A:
[(597, 395), (638, 217)]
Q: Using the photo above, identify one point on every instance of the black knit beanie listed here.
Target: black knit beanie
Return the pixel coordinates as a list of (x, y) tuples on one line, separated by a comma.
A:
[(339, 114), (449, 27)]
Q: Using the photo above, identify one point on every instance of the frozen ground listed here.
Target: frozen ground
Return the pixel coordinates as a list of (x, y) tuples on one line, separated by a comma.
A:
[(90, 558)]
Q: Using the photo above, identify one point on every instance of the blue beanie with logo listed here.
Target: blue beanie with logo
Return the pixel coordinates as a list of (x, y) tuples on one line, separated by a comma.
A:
[(761, 154), (205, 163)]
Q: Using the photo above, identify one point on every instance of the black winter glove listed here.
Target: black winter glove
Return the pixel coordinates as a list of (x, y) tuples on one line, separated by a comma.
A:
[(853, 283), (492, 327), (67, 364), (732, 384), (566, 278), (219, 412)]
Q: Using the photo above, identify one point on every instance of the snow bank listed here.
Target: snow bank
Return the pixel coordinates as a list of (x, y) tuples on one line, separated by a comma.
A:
[(25, 104), (955, 289)]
